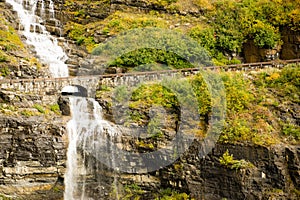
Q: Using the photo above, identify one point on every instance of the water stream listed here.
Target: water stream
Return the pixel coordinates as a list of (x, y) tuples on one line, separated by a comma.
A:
[(87, 133), (31, 13), (87, 130)]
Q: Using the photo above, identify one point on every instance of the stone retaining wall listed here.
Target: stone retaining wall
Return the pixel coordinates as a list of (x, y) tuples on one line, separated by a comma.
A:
[(51, 86)]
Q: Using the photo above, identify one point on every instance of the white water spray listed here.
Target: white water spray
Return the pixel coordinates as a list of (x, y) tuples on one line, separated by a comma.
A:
[(45, 45), (87, 133)]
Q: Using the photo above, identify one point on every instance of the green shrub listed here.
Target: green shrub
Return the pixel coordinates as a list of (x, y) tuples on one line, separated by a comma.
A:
[(238, 93), (286, 82), (236, 129), (4, 71), (27, 113), (264, 35), (291, 130), (165, 47), (235, 22), (121, 93), (169, 194), (154, 94), (203, 95), (132, 191), (228, 161), (205, 36)]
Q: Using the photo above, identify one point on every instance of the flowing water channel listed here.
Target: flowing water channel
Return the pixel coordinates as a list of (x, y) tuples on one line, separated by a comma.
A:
[(88, 134), (32, 16)]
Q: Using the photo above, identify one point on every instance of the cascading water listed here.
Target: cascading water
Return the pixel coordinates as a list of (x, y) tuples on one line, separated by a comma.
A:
[(88, 133), (45, 45)]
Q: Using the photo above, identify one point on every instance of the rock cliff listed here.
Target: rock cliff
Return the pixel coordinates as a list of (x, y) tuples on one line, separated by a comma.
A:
[(32, 158), (33, 144)]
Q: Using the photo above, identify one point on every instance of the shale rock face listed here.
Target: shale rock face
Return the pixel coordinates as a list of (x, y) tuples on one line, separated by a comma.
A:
[(290, 48), (291, 44), (273, 174), (32, 158), (254, 54), (271, 177)]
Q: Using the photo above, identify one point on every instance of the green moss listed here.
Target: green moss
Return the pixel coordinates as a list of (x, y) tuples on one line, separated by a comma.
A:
[(4, 71), (28, 113), (7, 109), (119, 21), (144, 145), (79, 33), (55, 108), (56, 189), (12, 50), (10, 40), (3, 57), (154, 94), (178, 167), (40, 108)]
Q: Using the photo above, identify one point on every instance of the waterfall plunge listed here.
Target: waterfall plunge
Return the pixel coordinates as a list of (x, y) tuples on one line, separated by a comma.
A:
[(45, 45), (88, 133)]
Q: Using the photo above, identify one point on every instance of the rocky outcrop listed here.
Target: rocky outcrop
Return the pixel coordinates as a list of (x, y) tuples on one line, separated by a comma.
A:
[(290, 48), (64, 104), (83, 12), (32, 158), (269, 178), (291, 44), (252, 53), (272, 174)]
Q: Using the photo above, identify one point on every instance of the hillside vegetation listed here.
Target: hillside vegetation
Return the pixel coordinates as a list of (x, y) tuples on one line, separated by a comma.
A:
[(262, 108), (222, 27)]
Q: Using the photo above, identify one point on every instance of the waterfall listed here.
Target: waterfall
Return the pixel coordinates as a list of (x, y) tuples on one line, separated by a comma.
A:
[(87, 135), (88, 132), (45, 45)]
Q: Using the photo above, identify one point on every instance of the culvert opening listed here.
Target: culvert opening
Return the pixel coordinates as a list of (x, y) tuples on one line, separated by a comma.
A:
[(74, 90)]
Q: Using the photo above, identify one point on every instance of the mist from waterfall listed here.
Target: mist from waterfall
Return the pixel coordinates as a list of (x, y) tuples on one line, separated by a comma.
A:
[(31, 25)]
